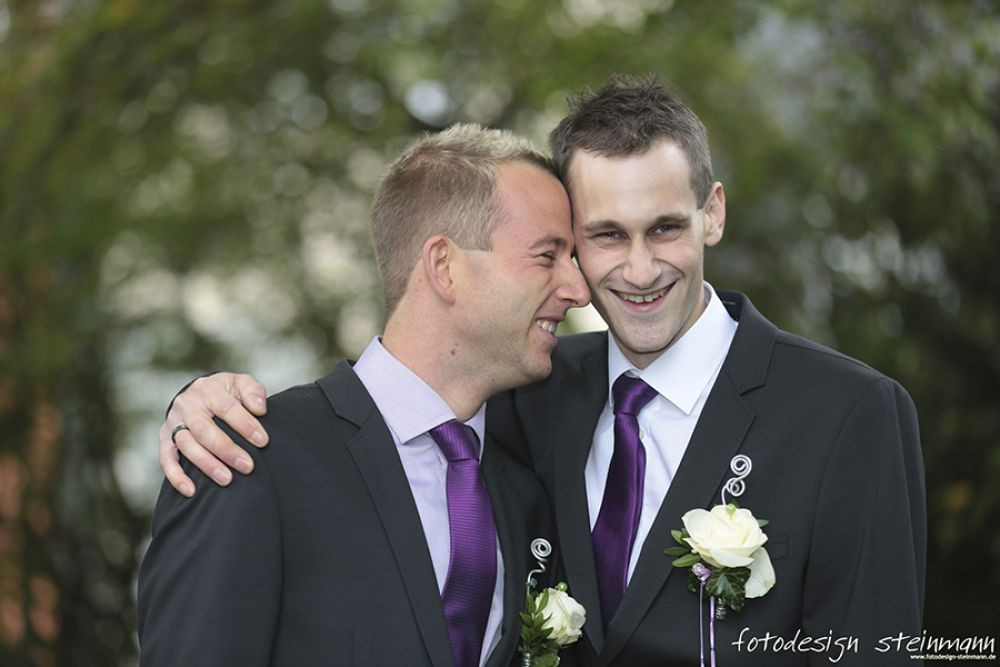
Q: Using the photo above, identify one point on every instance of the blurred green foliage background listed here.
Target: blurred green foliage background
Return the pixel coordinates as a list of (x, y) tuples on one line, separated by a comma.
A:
[(183, 186)]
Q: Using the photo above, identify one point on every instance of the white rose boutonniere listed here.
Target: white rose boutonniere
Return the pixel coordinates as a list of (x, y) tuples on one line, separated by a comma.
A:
[(564, 616), (724, 551), (551, 619), (729, 543)]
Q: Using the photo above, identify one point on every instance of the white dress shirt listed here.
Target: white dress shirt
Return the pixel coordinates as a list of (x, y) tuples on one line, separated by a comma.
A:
[(411, 409), (683, 376)]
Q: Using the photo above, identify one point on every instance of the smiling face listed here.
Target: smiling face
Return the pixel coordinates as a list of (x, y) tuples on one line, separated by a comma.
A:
[(640, 238), (518, 291)]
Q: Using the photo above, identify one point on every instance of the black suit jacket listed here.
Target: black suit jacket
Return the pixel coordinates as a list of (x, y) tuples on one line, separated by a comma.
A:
[(837, 469), (319, 556)]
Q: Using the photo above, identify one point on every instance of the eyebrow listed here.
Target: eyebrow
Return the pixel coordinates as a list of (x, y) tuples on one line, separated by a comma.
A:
[(675, 218), (557, 241)]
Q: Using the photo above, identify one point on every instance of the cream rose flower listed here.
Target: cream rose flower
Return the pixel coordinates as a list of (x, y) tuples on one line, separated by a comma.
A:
[(564, 616), (761, 575), (727, 536)]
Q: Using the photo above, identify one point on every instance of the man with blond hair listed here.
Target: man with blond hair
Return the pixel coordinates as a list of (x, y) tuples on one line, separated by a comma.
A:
[(384, 528)]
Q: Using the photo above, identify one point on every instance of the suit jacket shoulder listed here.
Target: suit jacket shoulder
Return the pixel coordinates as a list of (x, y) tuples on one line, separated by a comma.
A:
[(314, 558), (319, 554)]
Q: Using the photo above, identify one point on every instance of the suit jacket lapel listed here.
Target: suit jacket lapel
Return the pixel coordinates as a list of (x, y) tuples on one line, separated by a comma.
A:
[(721, 429), (378, 462), (569, 425), (510, 531)]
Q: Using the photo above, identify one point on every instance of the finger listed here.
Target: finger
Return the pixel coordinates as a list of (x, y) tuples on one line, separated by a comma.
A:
[(170, 462), (206, 434), (203, 459), (235, 414), (251, 393)]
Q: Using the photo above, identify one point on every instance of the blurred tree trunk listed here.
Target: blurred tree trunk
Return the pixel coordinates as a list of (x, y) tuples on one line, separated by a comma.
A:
[(66, 534), (32, 427)]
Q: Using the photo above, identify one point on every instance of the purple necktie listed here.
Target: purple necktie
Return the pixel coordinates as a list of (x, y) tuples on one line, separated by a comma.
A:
[(472, 567), (618, 520)]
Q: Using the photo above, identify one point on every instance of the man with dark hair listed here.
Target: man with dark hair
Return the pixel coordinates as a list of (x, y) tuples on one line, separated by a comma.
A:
[(382, 529), (634, 429)]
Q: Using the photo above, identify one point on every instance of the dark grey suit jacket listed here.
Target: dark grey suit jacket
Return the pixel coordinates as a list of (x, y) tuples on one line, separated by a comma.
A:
[(837, 469), (318, 557)]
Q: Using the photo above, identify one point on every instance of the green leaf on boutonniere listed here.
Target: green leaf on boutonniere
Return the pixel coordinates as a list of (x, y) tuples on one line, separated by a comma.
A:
[(525, 625), (688, 560), (679, 537), (676, 551), (534, 634), (728, 584), (762, 522)]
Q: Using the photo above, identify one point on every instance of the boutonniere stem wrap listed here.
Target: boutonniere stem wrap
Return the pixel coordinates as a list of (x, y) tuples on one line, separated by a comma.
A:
[(723, 550), (551, 619)]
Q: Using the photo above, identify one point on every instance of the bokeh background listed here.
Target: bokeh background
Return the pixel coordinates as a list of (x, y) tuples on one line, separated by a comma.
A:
[(184, 185)]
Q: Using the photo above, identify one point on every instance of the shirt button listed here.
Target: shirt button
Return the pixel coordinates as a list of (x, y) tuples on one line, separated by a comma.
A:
[(642, 434)]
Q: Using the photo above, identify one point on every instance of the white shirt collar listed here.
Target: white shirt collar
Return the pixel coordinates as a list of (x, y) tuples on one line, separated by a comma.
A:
[(681, 373), (408, 405)]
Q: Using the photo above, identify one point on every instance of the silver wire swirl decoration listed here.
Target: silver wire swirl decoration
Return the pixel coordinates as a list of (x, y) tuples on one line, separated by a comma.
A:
[(741, 466), (541, 549)]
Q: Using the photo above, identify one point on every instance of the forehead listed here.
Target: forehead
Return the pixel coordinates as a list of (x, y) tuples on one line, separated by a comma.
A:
[(654, 182), (535, 205)]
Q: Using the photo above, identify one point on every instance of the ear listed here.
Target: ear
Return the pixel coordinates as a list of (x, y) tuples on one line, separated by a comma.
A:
[(437, 262), (715, 215)]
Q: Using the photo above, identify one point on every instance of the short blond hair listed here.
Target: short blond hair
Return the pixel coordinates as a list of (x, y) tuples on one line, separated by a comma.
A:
[(445, 183)]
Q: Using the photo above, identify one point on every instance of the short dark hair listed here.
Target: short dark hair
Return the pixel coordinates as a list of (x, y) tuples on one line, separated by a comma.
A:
[(626, 117)]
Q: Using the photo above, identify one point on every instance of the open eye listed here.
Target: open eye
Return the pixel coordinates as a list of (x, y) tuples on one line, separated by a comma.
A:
[(609, 235)]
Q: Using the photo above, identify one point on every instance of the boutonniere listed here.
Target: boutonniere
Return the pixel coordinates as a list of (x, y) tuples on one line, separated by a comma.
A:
[(723, 550), (551, 619)]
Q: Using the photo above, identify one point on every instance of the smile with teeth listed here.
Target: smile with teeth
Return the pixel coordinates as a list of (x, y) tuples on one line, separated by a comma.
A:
[(643, 298), (548, 326)]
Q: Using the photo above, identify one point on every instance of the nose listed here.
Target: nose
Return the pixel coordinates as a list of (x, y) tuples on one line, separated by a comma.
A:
[(641, 268), (573, 287)]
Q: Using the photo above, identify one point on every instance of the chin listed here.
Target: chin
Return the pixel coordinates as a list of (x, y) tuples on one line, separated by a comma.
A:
[(538, 370), (643, 345)]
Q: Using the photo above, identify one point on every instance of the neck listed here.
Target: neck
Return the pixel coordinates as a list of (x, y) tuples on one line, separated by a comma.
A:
[(437, 357)]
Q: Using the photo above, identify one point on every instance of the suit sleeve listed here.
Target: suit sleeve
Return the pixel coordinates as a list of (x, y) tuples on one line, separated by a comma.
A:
[(209, 585), (867, 561)]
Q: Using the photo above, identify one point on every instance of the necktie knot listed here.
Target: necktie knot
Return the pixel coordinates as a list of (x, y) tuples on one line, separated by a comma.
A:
[(631, 395), (456, 440)]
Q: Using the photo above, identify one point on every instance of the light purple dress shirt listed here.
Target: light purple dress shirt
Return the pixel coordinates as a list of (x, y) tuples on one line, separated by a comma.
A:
[(410, 409)]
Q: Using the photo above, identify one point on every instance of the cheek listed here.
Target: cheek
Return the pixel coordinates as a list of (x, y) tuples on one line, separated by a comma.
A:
[(596, 263), (683, 255)]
